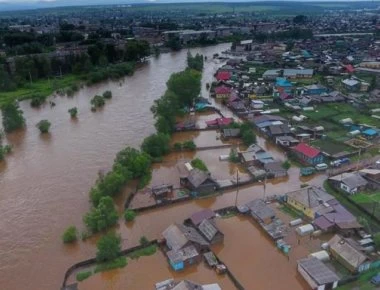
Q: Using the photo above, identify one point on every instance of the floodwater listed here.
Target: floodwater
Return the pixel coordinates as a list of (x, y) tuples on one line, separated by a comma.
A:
[(44, 184)]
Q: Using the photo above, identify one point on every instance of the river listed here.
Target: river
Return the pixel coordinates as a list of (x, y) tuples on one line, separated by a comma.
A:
[(44, 183)]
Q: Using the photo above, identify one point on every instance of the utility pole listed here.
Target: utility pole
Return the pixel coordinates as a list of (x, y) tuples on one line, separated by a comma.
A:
[(265, 186)]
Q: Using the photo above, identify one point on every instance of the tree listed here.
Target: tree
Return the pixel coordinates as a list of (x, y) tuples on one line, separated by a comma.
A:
[(12, 117), (136, 50), (195, 62), (156, 145), (186, 85), (111, 183), (102, 216), (144, 241), (174, 43), (137, 162), (108, 248), (129, 215), (233, 156), (43, 126), (70, 235), (73, 112)]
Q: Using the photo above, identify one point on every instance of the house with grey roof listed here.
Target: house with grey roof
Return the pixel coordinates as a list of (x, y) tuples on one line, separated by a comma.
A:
[(309, 200), (350, 182), (317, 274), (209, 230), (347, 254), (183, 246), (198, 181), (260, 211), (170, 284)]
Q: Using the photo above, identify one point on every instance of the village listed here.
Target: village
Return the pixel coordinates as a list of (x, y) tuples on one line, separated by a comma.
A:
[(290, 136)]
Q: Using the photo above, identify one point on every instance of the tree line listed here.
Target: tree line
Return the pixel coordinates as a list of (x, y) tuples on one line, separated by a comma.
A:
[(94, 64)]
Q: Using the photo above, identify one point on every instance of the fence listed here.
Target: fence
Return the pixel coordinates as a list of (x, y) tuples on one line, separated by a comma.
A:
[(92, 261)]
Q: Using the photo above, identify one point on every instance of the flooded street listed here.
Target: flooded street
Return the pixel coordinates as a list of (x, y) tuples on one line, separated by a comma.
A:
[(44, 183)]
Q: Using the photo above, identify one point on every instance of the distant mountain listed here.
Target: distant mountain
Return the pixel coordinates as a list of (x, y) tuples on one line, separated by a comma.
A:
[(8, 5)]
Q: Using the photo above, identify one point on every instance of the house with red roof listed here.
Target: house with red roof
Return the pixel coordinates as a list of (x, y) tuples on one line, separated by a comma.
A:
[(223, 92), (349, 68), (219, 122), (223, 76), (308, 154)]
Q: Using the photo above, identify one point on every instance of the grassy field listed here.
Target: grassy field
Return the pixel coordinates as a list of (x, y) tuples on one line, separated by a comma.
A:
[(363, 283), (41, 87), (330, 146), (366, 198)]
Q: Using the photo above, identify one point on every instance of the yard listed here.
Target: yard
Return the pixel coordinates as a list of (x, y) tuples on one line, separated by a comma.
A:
[(363, 283), (144, 272), (251, 256)]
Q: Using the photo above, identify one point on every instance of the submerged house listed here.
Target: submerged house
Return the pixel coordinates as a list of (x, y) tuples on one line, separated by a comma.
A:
[(223, 92), (170, 284), (309, 200), (205, 223), (317, 274), (183, 246), (198, 181), (347, 254), (308, 154)]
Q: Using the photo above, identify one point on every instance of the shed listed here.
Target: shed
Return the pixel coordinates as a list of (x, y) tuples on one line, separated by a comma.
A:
[(305, 230), (321, 255), (317, 274)]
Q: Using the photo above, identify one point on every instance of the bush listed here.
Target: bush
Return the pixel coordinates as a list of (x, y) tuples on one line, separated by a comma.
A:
[(234, 157), (129, 215), (199, 164), (43, 126), (177, 146), (107, 95), (12, 117), (376, 239), (189, 145), (37, 101), (73, 112), (286, 164), (144, 241), (147, 251), (97, 101), (114, 264), (83, 275), (70, 235)]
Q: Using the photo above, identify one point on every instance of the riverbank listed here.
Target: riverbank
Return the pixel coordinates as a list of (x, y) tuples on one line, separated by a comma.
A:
[(67, 84)]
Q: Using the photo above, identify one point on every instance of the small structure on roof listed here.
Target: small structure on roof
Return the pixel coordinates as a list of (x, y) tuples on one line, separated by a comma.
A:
[(317, 274), (346, 254)]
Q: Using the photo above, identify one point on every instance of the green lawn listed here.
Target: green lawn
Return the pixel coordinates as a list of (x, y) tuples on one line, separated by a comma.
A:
[(363, 283), (366, 198), (41, 87)]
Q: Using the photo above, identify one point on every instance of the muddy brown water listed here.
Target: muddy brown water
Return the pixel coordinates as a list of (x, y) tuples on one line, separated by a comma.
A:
[(44, 184)]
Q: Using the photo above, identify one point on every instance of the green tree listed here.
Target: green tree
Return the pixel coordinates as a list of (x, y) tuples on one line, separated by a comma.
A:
[(156, 145), (12, 117), (286, 164), (73, 112), (195, 62), (186, 85), (144, 241), (108, 248), (137, 162), (111, 183), (43, 126), (70, 235), (129, 215), (101, 217)]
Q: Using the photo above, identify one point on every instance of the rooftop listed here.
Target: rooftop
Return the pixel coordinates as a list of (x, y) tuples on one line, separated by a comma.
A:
[(318, 271)]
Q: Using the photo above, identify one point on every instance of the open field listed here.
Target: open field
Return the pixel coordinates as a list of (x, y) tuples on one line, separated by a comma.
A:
[(41, 87)]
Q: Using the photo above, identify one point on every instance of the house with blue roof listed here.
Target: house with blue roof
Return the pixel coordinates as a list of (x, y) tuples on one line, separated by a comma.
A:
[(314, 90), (369, 133), (283, 85)]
